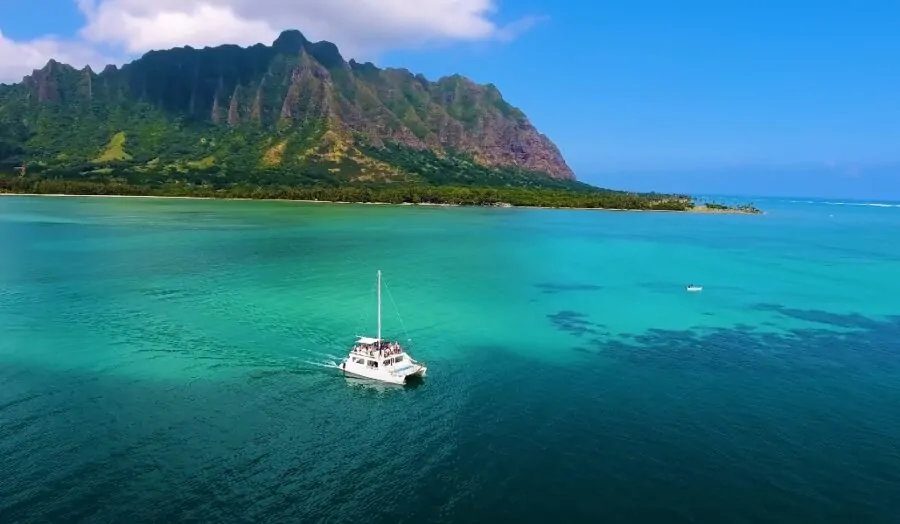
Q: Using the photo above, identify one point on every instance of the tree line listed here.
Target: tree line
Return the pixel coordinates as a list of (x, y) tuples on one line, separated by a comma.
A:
[(410, 194)]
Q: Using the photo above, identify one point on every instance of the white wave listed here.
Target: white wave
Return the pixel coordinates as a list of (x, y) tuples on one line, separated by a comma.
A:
[(861, 204), (858, 204)]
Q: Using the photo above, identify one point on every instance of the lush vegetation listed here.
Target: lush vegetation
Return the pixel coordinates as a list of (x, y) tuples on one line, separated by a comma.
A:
[(293, 107), (287, 121), (743, 208), (748, 208), (432, 179), (114, 184)]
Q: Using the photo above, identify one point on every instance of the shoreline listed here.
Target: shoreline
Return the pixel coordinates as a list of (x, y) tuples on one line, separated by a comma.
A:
[(697, 209)]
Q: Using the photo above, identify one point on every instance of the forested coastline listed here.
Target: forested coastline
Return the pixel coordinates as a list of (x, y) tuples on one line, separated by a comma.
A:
[(388, 194)]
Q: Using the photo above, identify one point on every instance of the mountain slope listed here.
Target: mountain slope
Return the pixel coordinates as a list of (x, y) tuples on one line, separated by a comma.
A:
[(292, 113)]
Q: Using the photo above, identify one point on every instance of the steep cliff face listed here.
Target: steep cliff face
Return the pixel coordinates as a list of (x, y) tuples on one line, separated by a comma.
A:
[(292, 105)]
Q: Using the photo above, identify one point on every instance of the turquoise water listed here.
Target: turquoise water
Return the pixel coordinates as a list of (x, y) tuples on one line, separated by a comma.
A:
[(167, 360)]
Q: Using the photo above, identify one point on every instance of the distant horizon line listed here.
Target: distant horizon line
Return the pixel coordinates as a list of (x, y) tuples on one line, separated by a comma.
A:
[(725, 166)]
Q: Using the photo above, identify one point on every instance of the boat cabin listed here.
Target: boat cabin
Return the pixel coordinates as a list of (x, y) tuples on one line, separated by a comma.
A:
[(375, 353)]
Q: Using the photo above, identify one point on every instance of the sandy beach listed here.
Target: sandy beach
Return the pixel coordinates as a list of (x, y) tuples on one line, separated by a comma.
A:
[(697, 209)]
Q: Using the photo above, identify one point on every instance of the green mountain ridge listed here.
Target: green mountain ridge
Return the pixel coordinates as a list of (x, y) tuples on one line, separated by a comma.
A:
[(291, 114)]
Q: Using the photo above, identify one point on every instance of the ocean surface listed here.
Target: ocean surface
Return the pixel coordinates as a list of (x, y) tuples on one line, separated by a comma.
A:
[(172, 361)]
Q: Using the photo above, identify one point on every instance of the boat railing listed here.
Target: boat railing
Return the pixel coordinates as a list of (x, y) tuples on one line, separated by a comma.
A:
[(372, 351)]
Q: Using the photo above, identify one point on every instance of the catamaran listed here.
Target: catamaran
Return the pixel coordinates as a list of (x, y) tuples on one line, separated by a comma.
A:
[(380, 359)]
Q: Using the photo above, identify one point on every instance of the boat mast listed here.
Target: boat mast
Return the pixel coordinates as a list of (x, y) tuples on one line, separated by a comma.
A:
[(379, 305)]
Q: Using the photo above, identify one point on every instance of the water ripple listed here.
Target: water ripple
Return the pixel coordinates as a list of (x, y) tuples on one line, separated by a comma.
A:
[(160, 369)]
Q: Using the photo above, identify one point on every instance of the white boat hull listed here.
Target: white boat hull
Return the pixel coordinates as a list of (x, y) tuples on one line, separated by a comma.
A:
[(392, 377)]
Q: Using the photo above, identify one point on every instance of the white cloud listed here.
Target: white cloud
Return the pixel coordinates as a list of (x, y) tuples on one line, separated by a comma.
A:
[(137, 27), (362, 29), (18, 59)]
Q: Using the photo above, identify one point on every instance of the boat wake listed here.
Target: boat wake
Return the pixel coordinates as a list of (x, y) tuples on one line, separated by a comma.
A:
[(316, 359), (319, 354), (330, 364)]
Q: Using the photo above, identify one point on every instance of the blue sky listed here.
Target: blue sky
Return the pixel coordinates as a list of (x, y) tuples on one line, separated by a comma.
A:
[(759, 97)]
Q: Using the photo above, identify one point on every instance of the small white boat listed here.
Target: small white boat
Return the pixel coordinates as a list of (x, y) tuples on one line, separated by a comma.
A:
[(692, 288), (380, 359)]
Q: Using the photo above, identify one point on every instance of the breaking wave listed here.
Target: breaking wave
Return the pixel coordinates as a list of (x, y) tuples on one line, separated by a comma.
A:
[(860, 204)]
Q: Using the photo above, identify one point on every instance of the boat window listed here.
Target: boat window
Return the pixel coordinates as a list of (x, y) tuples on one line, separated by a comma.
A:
[(398, 358), (357, 360), (388, 362), (373, 364)]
